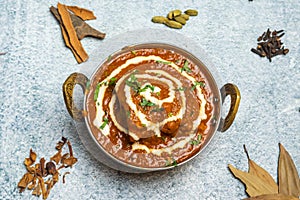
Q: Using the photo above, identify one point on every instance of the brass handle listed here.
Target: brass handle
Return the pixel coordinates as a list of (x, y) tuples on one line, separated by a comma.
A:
[(68, 88), (234, 93)]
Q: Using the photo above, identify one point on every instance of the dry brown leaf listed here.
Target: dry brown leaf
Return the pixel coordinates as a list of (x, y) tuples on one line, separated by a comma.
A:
[(83, 13), (74, 41), (56, 157), (256, 170), (43, 188), (32, 155), (25, 180), (33, 179), (28, 162), (288, 178), (37, 190), (272, 197), (32, 184), (55, 177), (70, 161), (255, 186)]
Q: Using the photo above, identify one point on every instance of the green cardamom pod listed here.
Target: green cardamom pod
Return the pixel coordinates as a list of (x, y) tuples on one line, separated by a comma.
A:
[(159, 19), (173, 24), (180, 19), (174, 13), (185, 16), (191, 12)]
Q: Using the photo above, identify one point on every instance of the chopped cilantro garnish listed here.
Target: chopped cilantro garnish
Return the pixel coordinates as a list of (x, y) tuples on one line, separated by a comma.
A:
[(186, 67), (170, 114), (157, 109), (96, 93), (163, 62), (172, 162), (201, 84), (133, 83), (128, 114), (109, 58), (151, 87), (112, 81), (146, 103), (88, 84), (196, 142), (133, 52), (105, 122), (180, 89)]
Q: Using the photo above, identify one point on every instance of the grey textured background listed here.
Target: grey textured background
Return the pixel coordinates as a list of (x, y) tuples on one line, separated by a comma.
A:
[(33, 115)]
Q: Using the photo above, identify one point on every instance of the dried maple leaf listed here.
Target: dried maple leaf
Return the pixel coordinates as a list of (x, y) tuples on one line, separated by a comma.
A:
[(255, 186), (288, 178), (260, 184), (272, 197), (256, 170)]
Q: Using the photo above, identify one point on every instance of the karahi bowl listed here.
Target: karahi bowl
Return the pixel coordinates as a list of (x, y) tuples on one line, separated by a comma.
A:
[(151, 101)]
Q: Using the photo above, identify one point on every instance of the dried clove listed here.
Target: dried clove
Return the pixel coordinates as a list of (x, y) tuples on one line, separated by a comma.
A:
[(270, 45)]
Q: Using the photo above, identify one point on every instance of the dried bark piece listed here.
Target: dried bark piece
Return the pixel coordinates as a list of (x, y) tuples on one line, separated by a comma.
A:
[(272, 197), (84, 30), (69, 162), (81, 27), (83, 13), (288, 178), (70, 148), (55, 177), (43, 188), (32, 155), (34, 178), (64, 176), (255, 186), (25, 180), (64, 33), (37, 190), (260, 172), (29, 161), (56, 157), (42, 167), (68, 44), (32, 185), (74, 42)]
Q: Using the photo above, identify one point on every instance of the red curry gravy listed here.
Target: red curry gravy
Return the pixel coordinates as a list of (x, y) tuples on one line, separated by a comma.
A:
[(150, 107)]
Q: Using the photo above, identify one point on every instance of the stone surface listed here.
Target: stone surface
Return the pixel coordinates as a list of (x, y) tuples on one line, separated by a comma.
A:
[(36, 63)]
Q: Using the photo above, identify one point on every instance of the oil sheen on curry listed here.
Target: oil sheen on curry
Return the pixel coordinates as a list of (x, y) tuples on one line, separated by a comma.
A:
[(150, 107)]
